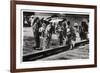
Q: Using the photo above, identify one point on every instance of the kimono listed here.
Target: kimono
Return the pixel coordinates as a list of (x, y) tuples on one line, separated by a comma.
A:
[(60, 36), (48, 35), (70, 36), (42, 37), (36, 34)]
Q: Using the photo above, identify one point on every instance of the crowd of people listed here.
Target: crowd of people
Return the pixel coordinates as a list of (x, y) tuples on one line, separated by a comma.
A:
[(67, 34)]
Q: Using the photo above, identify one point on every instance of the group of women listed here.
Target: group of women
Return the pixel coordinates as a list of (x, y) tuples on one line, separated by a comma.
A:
[(66, 33)]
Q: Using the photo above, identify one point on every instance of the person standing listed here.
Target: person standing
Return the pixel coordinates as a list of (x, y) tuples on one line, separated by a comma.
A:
[(42, 37), (83, 30), (36, 33), (60, 32), (70, 35), (48, 35)]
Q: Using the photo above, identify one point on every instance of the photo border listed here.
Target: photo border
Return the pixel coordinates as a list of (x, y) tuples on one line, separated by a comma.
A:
[(13, 35)]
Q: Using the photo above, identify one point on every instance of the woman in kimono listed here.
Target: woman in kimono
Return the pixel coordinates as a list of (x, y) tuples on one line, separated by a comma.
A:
[(70, 35), (35, 26), (42, 37), (48, 35)]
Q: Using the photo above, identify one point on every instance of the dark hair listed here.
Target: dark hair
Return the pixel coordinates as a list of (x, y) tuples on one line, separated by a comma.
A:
[(63, 20), (37, 18), (68, 22), (83, 23)]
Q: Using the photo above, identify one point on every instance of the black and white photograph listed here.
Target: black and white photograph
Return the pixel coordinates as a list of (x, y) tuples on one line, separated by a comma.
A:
[(49, 36), (52, 36)]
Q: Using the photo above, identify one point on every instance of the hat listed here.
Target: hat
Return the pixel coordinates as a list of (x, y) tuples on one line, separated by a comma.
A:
[(32, 16), (85, 20), (75, 24)]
